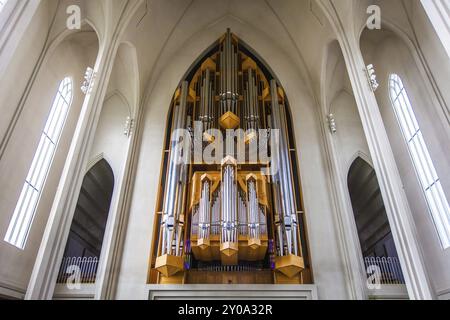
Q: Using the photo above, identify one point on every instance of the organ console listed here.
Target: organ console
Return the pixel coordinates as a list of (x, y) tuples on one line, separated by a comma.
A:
[(239, 218)]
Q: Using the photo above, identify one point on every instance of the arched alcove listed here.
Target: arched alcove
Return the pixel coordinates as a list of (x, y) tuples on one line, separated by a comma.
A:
[(87, 231), (374, 232)]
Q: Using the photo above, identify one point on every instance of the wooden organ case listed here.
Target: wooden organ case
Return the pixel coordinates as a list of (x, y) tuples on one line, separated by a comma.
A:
[(232, 219)]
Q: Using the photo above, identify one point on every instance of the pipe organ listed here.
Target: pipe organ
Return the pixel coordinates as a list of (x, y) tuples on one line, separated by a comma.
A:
[(226, 213)]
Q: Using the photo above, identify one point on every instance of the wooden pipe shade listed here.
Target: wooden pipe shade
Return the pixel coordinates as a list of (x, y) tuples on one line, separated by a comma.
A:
[(229, 253), (289, 265), (169, 265), (229, 121)]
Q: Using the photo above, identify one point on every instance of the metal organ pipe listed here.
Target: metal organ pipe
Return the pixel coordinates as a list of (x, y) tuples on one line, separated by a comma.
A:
[(179, 221), (215, 228), (228, 75), (251, 114), (289, 175), (229, 205), (171, 223), (251, 102), (278, 217), (194, 222), (223, 213), (206, 100), (253, 210), (242, 214), (205, 211), (234, 220), (283, 178), (222, 77), (234, 209), (262, 221)]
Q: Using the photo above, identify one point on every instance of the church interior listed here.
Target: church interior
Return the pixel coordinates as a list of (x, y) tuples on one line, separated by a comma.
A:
[(225, 149)]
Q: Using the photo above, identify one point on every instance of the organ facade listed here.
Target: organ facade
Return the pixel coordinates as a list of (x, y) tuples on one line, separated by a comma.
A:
[(229, 208)]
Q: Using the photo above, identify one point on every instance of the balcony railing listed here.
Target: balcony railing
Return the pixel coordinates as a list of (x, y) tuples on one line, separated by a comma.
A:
[(389, 270), (82, 269)]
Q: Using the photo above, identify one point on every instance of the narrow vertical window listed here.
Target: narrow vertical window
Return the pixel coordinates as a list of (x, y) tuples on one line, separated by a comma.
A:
[(427, 175), (24, 213)]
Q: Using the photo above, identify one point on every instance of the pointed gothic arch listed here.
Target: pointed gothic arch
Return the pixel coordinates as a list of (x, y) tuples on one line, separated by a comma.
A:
[(374, 232), (88, 228)]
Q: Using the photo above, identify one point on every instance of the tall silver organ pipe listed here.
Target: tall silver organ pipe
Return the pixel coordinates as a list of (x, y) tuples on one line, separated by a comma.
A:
[(289, 185), (215, 220), (277, 207), (262, 221), (229, 204), (172, 220), (253, 210), (204, 224), (251, 106), (278, 220), (242, 214), (229, 95), (207, 100), (284, 197)]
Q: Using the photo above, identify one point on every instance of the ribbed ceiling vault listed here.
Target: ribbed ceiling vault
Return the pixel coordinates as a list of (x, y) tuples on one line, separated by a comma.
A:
[(296, 28)]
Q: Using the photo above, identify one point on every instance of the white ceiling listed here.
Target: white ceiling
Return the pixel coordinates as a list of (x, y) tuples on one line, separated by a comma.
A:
[(296, 27)]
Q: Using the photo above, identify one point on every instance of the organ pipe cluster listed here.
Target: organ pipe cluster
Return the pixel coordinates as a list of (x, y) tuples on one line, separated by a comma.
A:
[(229, 204), (229, 213), (285, 210), (172, 224), (204, 210)]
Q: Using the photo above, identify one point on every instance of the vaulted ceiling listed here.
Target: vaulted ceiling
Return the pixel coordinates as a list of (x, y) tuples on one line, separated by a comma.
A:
[(161, 29), (299, 29)]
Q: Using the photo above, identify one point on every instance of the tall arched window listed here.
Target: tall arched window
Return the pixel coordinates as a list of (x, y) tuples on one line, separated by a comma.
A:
[(22, 219), (429, 180)]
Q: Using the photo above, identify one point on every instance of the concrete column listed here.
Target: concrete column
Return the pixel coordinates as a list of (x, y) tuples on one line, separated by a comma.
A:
[(397, 207), (438, 12), (349, 242), (110, 258)]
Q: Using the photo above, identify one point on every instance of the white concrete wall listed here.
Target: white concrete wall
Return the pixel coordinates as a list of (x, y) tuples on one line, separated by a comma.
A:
[(350, 135), (350, 138), (111, 144), (19, 60), (389, 54), (110, 140)]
